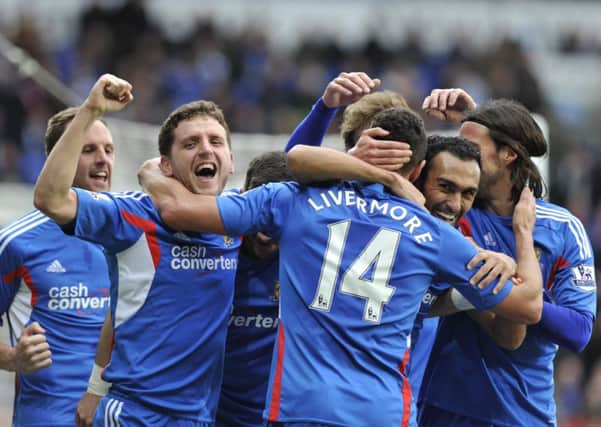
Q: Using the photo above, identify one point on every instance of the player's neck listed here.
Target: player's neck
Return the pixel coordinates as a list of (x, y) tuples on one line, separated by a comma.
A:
[(501, 207), (499, 200)]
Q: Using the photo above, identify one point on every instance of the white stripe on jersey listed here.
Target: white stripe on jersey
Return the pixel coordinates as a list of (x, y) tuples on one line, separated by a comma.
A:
[(31, 216), (136, 195), (136, 273), (20, 309), (574, 225), (25, 226), (583, 248), (577, 223)]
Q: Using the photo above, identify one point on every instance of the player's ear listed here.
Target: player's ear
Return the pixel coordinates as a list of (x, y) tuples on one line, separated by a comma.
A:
[(508, 156), (417, 171), (165, 166)]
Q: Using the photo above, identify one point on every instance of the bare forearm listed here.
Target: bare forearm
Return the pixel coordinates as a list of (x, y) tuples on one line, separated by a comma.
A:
[(179, 208), (192, 212), (528, 268), (443, 306), (53, 193), (7, 358), (315, 164), (103, 350), (524, 304), (506, 333)]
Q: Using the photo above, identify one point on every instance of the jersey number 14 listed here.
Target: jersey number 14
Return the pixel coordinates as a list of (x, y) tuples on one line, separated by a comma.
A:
[(379, 253)]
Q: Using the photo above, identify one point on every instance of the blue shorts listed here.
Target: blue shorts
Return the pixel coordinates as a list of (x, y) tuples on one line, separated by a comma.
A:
[(115, 411), (432, 416)]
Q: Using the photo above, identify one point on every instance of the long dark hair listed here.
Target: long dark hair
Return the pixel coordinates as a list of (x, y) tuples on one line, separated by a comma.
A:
[(510, 124)]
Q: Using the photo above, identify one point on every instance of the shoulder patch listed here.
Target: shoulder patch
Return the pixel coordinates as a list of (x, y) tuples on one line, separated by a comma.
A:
[(583, 277)]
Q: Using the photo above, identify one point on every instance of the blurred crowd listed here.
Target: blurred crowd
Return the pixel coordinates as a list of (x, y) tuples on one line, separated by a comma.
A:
[(266, 90)]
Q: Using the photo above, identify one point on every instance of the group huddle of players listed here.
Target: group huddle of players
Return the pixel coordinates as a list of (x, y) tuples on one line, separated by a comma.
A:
[(412, 281)]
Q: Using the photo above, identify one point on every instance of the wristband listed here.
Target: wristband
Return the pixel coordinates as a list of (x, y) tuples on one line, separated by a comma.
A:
[(460, 302), (96, 385)]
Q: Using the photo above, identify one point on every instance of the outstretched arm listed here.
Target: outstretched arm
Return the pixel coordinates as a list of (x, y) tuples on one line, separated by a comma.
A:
[(524, 304), (315, 164), (448, 104), (179, 208), (507, 334), (346, 89), (53, 194), (343, 90)]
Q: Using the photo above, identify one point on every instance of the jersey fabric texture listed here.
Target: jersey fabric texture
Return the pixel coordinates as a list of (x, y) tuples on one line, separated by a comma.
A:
[(63, 283), (355, 263), (171, 293), (251, 334), (512, 388), (423, 336)]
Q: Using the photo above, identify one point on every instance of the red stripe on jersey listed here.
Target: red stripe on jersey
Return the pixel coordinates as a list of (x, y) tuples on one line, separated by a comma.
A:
[(559, 263), (150, 229), (406, 392), (276, 391), (23, 273), (465, 227)]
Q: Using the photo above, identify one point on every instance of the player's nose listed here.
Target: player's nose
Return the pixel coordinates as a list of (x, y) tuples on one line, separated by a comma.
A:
[(454, 202)]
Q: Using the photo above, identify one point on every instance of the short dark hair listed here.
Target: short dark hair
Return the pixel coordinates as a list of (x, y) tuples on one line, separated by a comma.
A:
[(454, 145), (406, 126), (187, 112), (57, 124), (265, 168), (510, 124), (357, 115)]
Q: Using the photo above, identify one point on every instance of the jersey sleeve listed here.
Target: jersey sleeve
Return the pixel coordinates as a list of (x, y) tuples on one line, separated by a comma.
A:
[(455, 253), (11, 273), (264, 209), (572, 282), (110, 221), (434, 291), (313, 128)]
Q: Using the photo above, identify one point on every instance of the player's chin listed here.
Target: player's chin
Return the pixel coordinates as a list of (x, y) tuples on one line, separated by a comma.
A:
[(99, 185), (206, 189)]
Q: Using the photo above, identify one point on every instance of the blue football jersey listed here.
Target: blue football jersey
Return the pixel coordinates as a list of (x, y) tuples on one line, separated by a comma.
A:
[(251, 334), (423, 335), (63, 283), (468, 373), (171, 295), (355, 262)]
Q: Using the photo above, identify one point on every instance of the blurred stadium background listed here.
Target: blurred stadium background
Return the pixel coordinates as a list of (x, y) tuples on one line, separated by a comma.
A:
[(266, 61)]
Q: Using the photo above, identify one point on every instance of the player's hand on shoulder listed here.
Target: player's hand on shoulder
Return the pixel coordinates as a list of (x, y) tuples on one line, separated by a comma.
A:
[(150, 168), (448, 104), (84, 417), (386, 154), (495, 265), (32, 351), (402, 187), (109, 94), (348, 88), (524, 213)]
